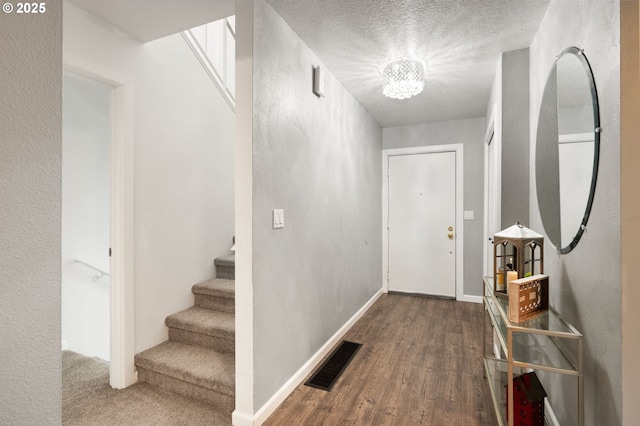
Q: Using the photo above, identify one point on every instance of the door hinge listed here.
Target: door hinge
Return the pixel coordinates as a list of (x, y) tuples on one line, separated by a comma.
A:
[(109, 251), (387, 276)]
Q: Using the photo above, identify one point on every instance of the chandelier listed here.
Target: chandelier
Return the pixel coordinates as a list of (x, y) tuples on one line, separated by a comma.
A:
[(403, 78)]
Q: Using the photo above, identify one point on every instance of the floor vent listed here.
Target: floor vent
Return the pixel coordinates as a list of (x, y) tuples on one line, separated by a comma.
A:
[(327, 374)]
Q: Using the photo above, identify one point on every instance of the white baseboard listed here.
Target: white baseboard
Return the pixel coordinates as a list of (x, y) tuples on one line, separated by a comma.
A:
[(241, 419), (244, 419), (472, 299)]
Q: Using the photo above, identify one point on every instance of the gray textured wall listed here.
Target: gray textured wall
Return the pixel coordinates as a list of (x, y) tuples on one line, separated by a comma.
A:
[(515, 137), (469, 132), (585, 284), (319, 160), (30, 190)]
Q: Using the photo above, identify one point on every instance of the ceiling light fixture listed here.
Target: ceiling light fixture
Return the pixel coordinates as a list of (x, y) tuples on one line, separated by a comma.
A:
[(403, 78)]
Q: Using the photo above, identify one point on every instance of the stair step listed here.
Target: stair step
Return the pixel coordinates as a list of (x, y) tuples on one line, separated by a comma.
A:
[(216, 287), (217, 294), (204, 328), (203, 321), (198, 359), (191, 371), (226, 267), (228, 260)]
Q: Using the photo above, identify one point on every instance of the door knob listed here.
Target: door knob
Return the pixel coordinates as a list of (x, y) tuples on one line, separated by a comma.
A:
[(450, 235)]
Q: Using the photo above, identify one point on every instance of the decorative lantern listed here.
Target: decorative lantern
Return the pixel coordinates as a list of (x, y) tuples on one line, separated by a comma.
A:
[(518, 252)]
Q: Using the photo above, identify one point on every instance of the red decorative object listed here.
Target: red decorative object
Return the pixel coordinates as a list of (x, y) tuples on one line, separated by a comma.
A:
[(528, 400)]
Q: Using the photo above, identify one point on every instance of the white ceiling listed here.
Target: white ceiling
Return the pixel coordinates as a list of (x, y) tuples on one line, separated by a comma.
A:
[(461, 41), (147, 20)]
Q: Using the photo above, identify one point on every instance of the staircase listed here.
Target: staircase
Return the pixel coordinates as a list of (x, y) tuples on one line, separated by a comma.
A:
[(198, 359)]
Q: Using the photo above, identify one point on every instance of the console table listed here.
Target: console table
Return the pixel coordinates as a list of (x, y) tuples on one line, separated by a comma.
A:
[(543, 343)]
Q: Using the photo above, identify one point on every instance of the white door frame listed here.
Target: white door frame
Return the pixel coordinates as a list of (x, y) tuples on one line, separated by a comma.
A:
[(493, 136), (458, 150), (122, 351)]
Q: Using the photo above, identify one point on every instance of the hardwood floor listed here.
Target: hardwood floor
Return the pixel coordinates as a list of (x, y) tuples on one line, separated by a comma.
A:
[(420, 364)]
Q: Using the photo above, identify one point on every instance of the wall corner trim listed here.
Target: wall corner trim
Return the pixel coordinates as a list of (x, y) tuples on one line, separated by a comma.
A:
[(243, 419)]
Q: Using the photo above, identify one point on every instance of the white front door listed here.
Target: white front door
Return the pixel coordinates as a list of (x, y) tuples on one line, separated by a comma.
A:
[(422, 220)]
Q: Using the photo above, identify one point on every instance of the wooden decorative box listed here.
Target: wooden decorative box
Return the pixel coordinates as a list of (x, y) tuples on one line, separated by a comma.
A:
[(528, 297)]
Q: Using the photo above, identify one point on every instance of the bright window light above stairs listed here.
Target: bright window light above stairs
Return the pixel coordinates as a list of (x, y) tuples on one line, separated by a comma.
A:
[(215, 46)]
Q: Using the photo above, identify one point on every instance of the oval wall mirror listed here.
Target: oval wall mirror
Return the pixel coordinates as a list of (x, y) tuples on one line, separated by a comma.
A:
[(567, 149)]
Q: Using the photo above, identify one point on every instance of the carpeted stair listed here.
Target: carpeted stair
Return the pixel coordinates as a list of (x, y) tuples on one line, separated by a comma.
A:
[(226, 267), (198, 359)]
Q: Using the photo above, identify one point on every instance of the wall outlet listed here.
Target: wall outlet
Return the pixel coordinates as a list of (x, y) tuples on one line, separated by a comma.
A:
[(278, 218)]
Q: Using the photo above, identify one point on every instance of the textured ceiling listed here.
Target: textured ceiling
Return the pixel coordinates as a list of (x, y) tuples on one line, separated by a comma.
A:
[(461, 41)]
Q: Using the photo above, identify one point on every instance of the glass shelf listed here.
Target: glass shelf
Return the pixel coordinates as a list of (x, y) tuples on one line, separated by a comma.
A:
[(547, 321), (496, 372), (545, 342)]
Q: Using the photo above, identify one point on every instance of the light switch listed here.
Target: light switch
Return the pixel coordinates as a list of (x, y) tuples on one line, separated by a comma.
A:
[(278, 218), (468, 215)]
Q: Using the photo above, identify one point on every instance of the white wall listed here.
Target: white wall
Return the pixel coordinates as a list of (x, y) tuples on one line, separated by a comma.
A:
[(86, 135), (30, 190), (585, 284), (183, 167), (319, 160), (469, 132)]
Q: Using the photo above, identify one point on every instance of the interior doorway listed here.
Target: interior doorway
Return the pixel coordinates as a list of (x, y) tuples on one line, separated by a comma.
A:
[(491, 198), (86, 139), (121, 231), (492, 185), (422, 220)]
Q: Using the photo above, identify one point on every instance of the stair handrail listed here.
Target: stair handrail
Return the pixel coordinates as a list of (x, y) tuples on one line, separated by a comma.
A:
[(100, 272)]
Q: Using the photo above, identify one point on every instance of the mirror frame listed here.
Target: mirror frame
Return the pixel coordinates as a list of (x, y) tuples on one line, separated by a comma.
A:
[(579, 53)]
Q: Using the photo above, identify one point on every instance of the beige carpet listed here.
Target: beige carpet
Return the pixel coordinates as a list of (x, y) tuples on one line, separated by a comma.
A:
[(87, 399)]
